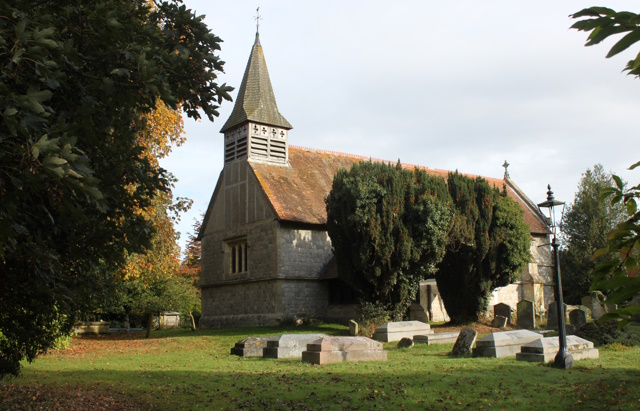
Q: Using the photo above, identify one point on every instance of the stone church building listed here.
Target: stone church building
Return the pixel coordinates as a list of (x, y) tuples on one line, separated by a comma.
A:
[(266, 255)]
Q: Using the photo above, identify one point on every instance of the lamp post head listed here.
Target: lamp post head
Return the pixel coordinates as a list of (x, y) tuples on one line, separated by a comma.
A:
[(550, 204)]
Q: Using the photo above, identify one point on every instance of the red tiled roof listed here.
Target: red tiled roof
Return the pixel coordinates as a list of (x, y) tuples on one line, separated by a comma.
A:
[(297, 192)]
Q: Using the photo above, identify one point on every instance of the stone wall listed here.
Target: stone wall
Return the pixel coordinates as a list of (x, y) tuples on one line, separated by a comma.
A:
[(241, 304), (303, 253), (302, 298)]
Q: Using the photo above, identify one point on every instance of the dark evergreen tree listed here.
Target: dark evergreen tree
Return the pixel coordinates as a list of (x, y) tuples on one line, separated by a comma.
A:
[(586, 224), (487, 246), (388, 227)]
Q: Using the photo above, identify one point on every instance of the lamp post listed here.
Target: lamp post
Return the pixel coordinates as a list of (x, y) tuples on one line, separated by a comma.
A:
[(563, 359)]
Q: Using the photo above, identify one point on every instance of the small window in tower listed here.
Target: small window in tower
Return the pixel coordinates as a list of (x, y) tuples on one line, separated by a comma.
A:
[(236, 252)]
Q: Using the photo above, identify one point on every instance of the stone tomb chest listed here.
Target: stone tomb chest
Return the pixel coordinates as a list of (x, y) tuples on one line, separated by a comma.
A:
[(251, 346), (504, 344), (545, 349), (327, 350), (395, 331), (437, 338), (289, 345)]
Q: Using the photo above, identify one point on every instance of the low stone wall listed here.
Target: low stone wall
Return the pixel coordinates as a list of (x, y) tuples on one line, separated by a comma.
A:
[(92, 327)]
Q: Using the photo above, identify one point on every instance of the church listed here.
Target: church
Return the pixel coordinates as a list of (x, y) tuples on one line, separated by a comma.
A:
[(266, 255)]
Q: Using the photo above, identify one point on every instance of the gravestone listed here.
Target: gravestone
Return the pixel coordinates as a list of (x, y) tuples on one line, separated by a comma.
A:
[(405, 343), (395, 331), (578, 317), (464, 343), (504, 344), (499, 321), (592, 303), (418, 313), (610, 307), (288, 345), (328, 350), (552, 315), (526, 315), (353, 328), (503, 310), (545, 349), (437, 338), (251, 346)]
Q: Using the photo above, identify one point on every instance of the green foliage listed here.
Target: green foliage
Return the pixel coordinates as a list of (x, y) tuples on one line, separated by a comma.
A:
[(76, 79), (369, 316), (488, 244), (387, 226), (605, 333), (603, 22), (585, 226), (616, 275)]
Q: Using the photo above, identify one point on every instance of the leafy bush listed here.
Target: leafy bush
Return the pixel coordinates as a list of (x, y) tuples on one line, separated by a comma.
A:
[(608, 333), (369, 316)]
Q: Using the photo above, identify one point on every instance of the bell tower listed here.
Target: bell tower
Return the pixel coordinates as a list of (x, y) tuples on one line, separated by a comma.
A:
[(256, 130)]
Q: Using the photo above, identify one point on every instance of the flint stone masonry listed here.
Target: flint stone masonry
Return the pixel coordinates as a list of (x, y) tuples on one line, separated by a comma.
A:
[(395, 331), (464, 343), (437, 338), (545, 349), (504, 344), (526, 315), (503, 310), (499, 321), (578, 317), (327, 350), (289, 345), (251, 346)]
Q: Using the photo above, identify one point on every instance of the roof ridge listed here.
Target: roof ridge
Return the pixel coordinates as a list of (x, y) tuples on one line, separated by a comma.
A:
[(379, 160)]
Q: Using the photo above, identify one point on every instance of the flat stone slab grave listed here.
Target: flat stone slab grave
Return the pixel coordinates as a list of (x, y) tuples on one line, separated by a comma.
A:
[(251, 346), (395, 331), (327, 350), (504, 344), (545, 349), (437, 338), (289, 345)]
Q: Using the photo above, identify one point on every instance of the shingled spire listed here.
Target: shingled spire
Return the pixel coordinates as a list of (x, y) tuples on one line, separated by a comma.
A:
[(255, 115)]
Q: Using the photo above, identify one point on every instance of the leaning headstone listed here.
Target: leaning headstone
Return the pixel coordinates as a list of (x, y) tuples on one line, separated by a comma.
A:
[(464, 343), (526, 315), (552, 315), (504, 344), (395, 331), (251, 346), (418, 313), (545, 349), (437, 338), (328, 350), (405, 343), (592, 303), (288, 345), (499, 321), (353, 328), (503, 310), (578, 317)]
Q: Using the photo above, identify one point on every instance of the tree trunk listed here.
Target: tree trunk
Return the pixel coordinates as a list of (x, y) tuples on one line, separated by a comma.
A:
[(149, 324), (193, 322), (159, 321)]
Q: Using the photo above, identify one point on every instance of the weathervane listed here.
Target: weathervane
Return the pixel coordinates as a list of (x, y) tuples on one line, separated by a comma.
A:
[(506, 172), (258, 18)]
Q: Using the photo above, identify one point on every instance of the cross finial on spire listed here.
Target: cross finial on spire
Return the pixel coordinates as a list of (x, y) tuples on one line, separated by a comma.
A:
[(506, 172), (258, 18)]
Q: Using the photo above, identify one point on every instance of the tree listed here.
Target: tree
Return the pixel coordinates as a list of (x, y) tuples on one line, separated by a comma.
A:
[(387, 226), (76, 81), (487, 246), (191, 265), (585, 227), (617, 275)]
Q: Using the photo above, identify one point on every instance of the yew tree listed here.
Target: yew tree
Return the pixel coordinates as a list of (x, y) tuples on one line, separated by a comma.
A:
[(388, 227), (76, 82), (487, 246)]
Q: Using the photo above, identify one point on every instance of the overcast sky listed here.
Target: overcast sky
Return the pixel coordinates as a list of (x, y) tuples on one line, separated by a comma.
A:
[(453, 85)]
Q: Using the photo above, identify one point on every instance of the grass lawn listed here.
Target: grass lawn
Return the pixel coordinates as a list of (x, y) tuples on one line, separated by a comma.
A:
[(183, 370)]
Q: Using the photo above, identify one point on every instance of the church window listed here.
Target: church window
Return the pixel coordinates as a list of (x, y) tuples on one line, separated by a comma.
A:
[(238, 256)]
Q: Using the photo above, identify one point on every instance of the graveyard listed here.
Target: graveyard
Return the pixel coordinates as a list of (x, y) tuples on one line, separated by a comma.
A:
[(184, 370)]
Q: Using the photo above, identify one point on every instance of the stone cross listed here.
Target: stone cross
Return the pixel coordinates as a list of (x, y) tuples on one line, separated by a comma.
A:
[(506, 172)]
